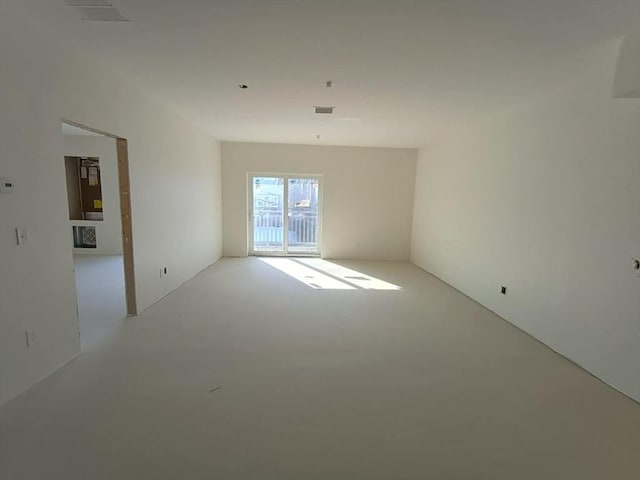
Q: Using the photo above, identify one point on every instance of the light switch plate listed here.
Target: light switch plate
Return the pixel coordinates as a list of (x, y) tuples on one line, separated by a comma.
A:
[(21, 236)]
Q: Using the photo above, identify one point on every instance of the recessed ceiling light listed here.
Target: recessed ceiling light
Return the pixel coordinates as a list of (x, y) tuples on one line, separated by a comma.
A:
[(243, 86)]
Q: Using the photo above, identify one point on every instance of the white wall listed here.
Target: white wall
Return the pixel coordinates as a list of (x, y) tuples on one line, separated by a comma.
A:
[(109, 230), (367, 195), (626, 83), (545, 200), (175, 182)]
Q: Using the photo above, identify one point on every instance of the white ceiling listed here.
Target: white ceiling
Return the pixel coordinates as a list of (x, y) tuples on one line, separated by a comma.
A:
[(402, 70), (72, 130)]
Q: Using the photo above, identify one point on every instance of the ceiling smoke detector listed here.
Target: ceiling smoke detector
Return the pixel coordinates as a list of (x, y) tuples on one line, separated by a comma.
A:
[(96, 11), (324, 110)]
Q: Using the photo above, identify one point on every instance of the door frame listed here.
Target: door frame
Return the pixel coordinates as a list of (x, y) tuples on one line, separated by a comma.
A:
[(124, 187), (285, 221)]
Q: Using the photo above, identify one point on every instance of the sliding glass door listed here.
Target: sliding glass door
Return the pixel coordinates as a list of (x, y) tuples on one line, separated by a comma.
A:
[(302, 214), (285, 214), (268, 214)]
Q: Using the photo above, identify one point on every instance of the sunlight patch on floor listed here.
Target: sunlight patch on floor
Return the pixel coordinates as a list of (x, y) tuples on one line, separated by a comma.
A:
[(306, 275), (324, 275), (354, 277)]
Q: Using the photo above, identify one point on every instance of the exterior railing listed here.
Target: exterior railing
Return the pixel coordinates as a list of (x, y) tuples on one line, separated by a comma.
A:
[(302, 230)]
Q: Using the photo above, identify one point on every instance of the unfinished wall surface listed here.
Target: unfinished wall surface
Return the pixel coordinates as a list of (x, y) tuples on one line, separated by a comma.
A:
[(175, 184), (367, 195), (546, 201), (109, 230)]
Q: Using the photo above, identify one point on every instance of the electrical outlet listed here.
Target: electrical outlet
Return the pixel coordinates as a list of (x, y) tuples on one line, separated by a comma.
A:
[(503, 290), (165, 271)]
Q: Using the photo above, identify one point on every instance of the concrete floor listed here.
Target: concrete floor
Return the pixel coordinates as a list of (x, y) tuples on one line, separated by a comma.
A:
[(248, 373), (101, 297)]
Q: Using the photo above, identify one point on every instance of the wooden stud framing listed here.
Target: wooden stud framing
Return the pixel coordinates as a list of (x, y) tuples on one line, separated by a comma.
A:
[(127, 230)]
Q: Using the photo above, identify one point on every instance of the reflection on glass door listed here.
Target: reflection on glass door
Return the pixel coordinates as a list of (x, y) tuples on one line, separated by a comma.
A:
[(285, 215), (303, 215), (268, 214)]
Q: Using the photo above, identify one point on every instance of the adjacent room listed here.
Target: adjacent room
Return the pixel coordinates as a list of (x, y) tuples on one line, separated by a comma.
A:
[(91, 168), (319, 239)]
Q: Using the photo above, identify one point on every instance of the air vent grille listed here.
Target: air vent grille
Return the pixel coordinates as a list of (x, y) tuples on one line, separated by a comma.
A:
[(97, 11), (89, 3), (324, 110)]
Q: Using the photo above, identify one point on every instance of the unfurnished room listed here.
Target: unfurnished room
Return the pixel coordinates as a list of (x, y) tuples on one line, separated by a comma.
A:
[(313, 239)]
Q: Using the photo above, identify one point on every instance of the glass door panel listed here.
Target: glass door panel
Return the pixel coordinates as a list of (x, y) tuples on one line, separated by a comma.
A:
[(268, 195), (302, 214), (284, 217)]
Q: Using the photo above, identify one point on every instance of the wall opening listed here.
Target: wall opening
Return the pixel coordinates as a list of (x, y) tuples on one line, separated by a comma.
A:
[(98, 191)]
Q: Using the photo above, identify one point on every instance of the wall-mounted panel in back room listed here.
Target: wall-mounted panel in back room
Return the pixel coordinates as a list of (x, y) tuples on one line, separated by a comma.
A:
[(108, 230)]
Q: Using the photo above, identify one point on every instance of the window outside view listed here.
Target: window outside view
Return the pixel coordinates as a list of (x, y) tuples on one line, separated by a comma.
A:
[(270, 207)]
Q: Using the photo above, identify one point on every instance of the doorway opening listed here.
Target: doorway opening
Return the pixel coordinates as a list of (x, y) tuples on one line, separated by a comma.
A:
[(285, 214), (97, 176)]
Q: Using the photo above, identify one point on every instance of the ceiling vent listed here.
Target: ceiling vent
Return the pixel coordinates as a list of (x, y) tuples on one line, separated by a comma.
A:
[(97, 11), (89, 3), (324, 110)]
